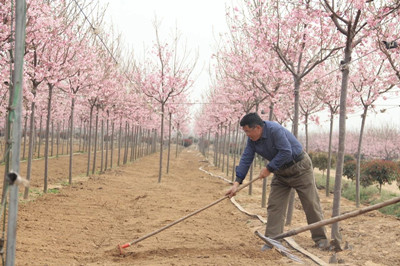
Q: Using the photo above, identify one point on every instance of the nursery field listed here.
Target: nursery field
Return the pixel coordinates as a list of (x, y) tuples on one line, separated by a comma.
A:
[(82, 224)]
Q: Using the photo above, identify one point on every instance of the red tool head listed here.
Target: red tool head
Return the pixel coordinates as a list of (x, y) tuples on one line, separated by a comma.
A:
[(121, 247)]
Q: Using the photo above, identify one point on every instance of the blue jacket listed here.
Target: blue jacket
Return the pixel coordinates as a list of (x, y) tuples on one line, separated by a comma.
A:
[(276, 144)]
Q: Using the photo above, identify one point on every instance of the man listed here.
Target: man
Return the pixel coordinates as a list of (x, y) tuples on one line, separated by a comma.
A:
[(291, 167)]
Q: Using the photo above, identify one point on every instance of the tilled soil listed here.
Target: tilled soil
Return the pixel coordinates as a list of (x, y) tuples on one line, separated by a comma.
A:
[(84, 222)]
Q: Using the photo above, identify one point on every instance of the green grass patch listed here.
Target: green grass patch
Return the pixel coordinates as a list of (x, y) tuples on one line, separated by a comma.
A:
[(36, 191), (65, 183), (53, 191), (368, 195), (321, 181), (393, 209)]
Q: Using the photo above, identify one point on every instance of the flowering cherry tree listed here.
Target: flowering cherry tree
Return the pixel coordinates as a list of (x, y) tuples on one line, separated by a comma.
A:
[(371, 82), (355, 21), (299, 37), (165, 74)]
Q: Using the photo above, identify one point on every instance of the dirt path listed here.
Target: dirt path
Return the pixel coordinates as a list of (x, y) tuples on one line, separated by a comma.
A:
[(83, 224)]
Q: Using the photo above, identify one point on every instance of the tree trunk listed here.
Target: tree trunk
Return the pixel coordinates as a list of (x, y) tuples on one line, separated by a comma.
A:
[(107, 146), (139, 145), (67, 136), (80, 135), (235, 151), (147, 143), (52, 137), (89, 139), (161, 143), (119, 142), (358, 164), (335, 233), (265, 180), (136, 143), (30, 148), (46, 148), (58, 138), (102, 146), (85, 138), (223, 151), (228, 149), (271, 112), (25, 128), (202, 145), (40, 137), (215, 148), (112, 145), (169, 140), (220, 146), (133, 135), (177, 141), (70, 140), (328, 170), (297, 83), (82, 140), (62, 136), (306, 129), (155, 141), (126, 142), (96, 126), (7, 137), (209, 143), (15, 124)]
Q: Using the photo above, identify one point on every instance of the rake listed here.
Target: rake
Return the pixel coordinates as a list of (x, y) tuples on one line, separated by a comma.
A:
[(272, 243)]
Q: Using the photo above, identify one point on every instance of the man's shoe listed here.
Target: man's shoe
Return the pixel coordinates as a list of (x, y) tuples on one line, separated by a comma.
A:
[(265, 247), (322, 244)]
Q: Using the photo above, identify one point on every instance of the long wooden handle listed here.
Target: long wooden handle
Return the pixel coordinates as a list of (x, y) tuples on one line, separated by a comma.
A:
[(187, 216), (337, 218)]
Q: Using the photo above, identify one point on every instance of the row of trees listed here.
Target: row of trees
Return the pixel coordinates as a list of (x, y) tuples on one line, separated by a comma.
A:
[(73, 71), (77, 74), (226, 150), (292, 59), (379, 143)]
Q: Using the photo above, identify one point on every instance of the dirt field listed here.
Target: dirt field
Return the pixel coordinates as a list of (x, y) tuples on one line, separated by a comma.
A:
[(84, 223)]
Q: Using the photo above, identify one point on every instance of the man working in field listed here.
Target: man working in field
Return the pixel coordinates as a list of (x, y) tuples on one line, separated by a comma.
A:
[(292, 168)]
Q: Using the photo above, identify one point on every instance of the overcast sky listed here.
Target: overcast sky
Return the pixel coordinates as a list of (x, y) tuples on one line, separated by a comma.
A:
[(200, 22)]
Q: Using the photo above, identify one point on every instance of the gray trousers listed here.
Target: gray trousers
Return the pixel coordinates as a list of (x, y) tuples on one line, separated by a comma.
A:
[(299, 176)]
